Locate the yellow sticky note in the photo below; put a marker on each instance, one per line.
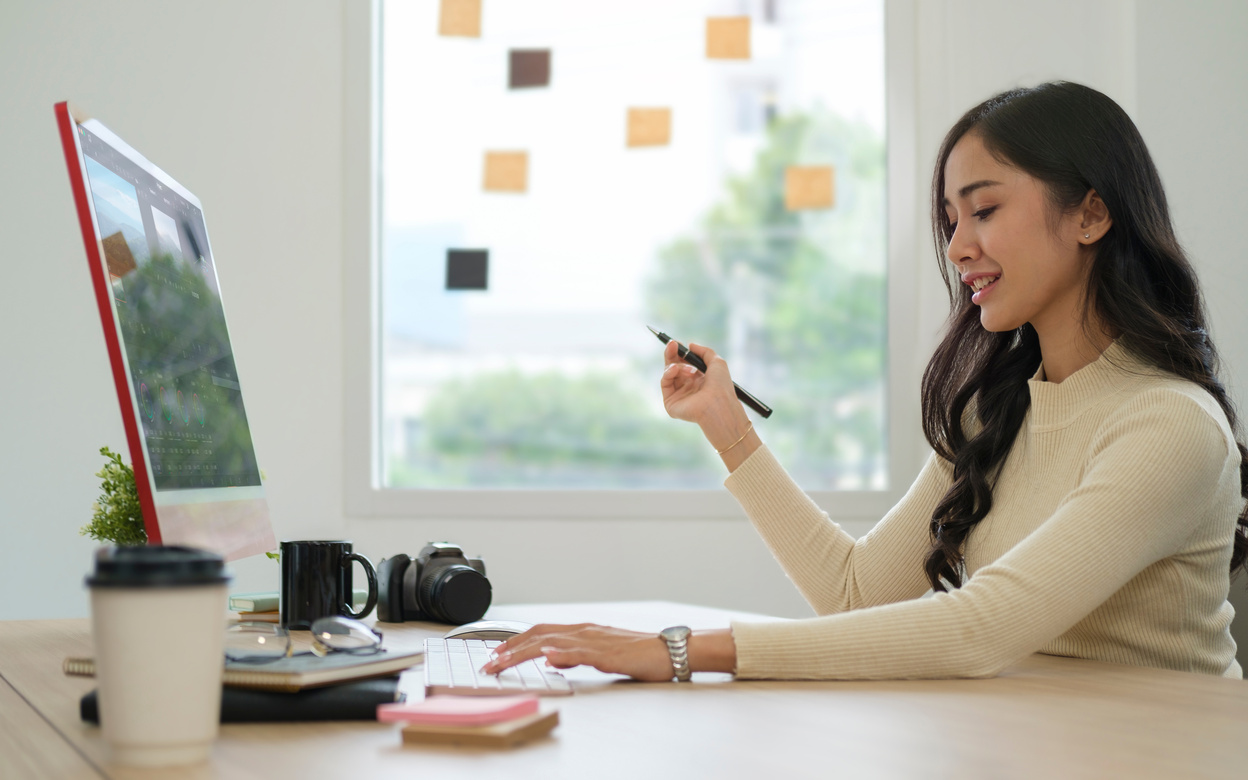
(460, 18)
(649, 126)
(808, 187)
(728, 38)
(506, 171)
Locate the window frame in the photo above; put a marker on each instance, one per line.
(362, 457)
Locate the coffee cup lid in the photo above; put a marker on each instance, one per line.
(148, 566)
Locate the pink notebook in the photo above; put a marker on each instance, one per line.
(459, 710)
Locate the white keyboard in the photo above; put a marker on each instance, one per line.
(454, 666)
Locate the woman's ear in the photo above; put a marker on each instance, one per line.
(1094, 219)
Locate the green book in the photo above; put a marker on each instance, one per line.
(267, 600)
(263, 601)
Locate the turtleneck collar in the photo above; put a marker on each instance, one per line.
(1056, 405)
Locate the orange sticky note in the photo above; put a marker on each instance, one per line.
(808, 187)
(506, 171)
(649, 126)
(460, 18)
(728, 38)
(118, 255)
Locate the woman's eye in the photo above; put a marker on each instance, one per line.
(984, 213)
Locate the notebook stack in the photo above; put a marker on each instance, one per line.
(300, 687)
(474, 721)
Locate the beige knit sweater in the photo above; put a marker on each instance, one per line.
(1109, 538)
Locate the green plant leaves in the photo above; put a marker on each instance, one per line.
(117, 517)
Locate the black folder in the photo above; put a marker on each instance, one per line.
(348, 701)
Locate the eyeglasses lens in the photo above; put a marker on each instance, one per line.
(256, 642)
(343, 635)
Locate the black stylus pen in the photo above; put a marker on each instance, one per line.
(697, 363)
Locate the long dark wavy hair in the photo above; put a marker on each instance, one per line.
(1140, 288)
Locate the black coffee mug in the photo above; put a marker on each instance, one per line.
(316, 582)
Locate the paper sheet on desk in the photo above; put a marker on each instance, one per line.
(587, 678)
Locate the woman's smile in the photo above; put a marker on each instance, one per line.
(981, 285)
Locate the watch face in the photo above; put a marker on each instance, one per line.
(675, 633)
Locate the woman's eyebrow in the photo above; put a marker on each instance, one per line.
(975, 185)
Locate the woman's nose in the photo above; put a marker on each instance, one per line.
(962, 248)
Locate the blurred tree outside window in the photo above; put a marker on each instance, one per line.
(548, 378)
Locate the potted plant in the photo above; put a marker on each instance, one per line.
(116, 516)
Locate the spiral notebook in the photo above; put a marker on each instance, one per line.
(292, 674)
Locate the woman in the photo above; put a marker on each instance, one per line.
(1085, 496)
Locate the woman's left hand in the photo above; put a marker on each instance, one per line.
(635, 653)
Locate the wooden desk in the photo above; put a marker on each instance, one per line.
(1045, 717)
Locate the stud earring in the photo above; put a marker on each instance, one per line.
(1087, 235)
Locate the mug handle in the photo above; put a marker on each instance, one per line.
(371, 573)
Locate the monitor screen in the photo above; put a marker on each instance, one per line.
(164, 321)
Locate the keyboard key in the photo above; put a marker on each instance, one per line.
(452, 667)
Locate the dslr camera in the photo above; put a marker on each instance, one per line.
(440, 584)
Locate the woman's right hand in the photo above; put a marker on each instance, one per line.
(690, 395)
(710, 400)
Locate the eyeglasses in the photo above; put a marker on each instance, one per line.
(264, 642)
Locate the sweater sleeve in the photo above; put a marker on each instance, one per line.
(833, 572)
(1153, 470)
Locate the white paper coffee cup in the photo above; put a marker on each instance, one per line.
(158, 620)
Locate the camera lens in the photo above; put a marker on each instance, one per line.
(455, 594)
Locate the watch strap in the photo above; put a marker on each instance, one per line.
(677, 639)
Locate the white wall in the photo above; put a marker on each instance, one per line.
(1192, 72)
(243, 103)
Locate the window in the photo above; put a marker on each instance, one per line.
(741, 203)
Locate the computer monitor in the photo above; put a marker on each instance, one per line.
(164, 325)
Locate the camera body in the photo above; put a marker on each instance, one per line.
(440, 584)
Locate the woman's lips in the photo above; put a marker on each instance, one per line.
(978, 297)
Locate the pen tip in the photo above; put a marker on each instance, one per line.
(652, 330)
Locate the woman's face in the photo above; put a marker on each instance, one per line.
(1005, 246)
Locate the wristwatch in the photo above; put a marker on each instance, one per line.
(677, 639)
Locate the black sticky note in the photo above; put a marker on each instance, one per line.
(467, 269)
(529, 68)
